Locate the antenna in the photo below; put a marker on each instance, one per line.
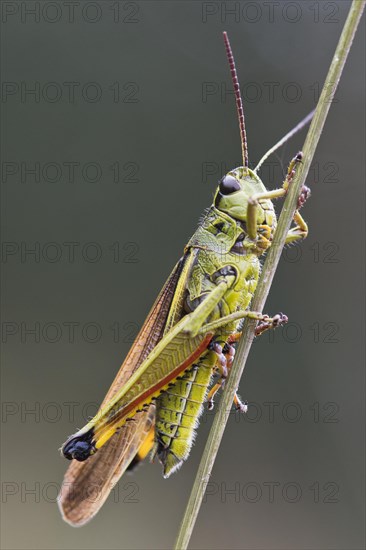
(238, 100)
(285, 138)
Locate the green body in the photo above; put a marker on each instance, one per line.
(212, 247)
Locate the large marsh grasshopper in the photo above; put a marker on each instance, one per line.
(158, 394)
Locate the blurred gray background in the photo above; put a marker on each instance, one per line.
(129, 127)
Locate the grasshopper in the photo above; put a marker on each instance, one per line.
(189, 335)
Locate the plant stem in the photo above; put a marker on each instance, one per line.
(270, 266)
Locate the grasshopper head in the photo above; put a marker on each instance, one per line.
(234, 191)
(240, 185)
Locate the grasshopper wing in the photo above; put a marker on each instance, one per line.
(86, 485)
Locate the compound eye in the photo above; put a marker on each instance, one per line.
(229, 185)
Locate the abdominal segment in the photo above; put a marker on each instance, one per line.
(177, 413)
